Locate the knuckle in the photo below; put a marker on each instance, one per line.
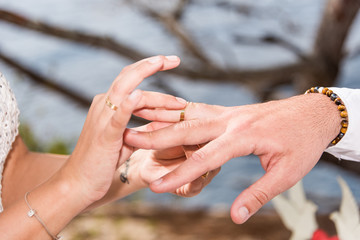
(199, 157)
(261, 197)
(98, 98)
(117, 87)
(184, 125)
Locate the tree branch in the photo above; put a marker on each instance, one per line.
(354, 54)
(51, 84)
(176, 29)
(333, 31)
(274, 40)
(72, 35)
(46, 82)
(179, 11)
(320, 68)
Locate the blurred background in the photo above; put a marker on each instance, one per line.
(58, 54)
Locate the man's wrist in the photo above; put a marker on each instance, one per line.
(325, 114)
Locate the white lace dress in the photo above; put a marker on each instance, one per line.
(9, 123)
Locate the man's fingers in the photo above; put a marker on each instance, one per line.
(261, 192)
(160, 115)
(191, 112)
(152, 126)
(210, 157)
(181, 133)
(152, 100)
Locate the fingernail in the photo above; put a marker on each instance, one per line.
(135, 94)
(154, 59)
(181, 100)
(172, 58)
(157, 182)
(243, 214)
(133, 131)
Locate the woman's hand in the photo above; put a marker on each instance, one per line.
(99, 151)
(150, 165)
(289, 137)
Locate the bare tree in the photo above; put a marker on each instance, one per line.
(319, 67)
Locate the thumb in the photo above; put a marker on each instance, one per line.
(258, 194)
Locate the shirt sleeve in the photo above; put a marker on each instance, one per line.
(349, 146)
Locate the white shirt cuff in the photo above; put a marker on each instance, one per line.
(349, 146)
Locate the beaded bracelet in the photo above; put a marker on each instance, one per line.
(340, 105)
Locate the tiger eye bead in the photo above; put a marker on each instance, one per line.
(329, 92)
(341, 107)
(341, 135)
(344, 123)
(343, 114)
(333, 96)
(335, 141)
(343, 130)
(337, 101)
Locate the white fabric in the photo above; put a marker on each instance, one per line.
(9, 123)
(349, 146)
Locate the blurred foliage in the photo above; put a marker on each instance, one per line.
(57, 146)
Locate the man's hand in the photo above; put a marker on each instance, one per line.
(289, 137)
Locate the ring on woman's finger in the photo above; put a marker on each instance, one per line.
(205, 175)
(110, 104)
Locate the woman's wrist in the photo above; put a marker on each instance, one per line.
(133, 169)
(70, 190)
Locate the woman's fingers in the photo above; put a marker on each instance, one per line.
(132, 75)
(196, 186)
(170, 154)
(115, 128)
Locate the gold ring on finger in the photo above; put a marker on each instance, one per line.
(110, 104)
(182, 115)
(205, 175)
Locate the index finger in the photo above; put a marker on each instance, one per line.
(182, 133)
(131, 76)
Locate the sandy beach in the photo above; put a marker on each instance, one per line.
(136, 221)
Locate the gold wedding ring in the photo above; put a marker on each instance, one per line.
(110, 105)
(205, 175)
(182, 115)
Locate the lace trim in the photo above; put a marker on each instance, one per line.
(9, 124)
